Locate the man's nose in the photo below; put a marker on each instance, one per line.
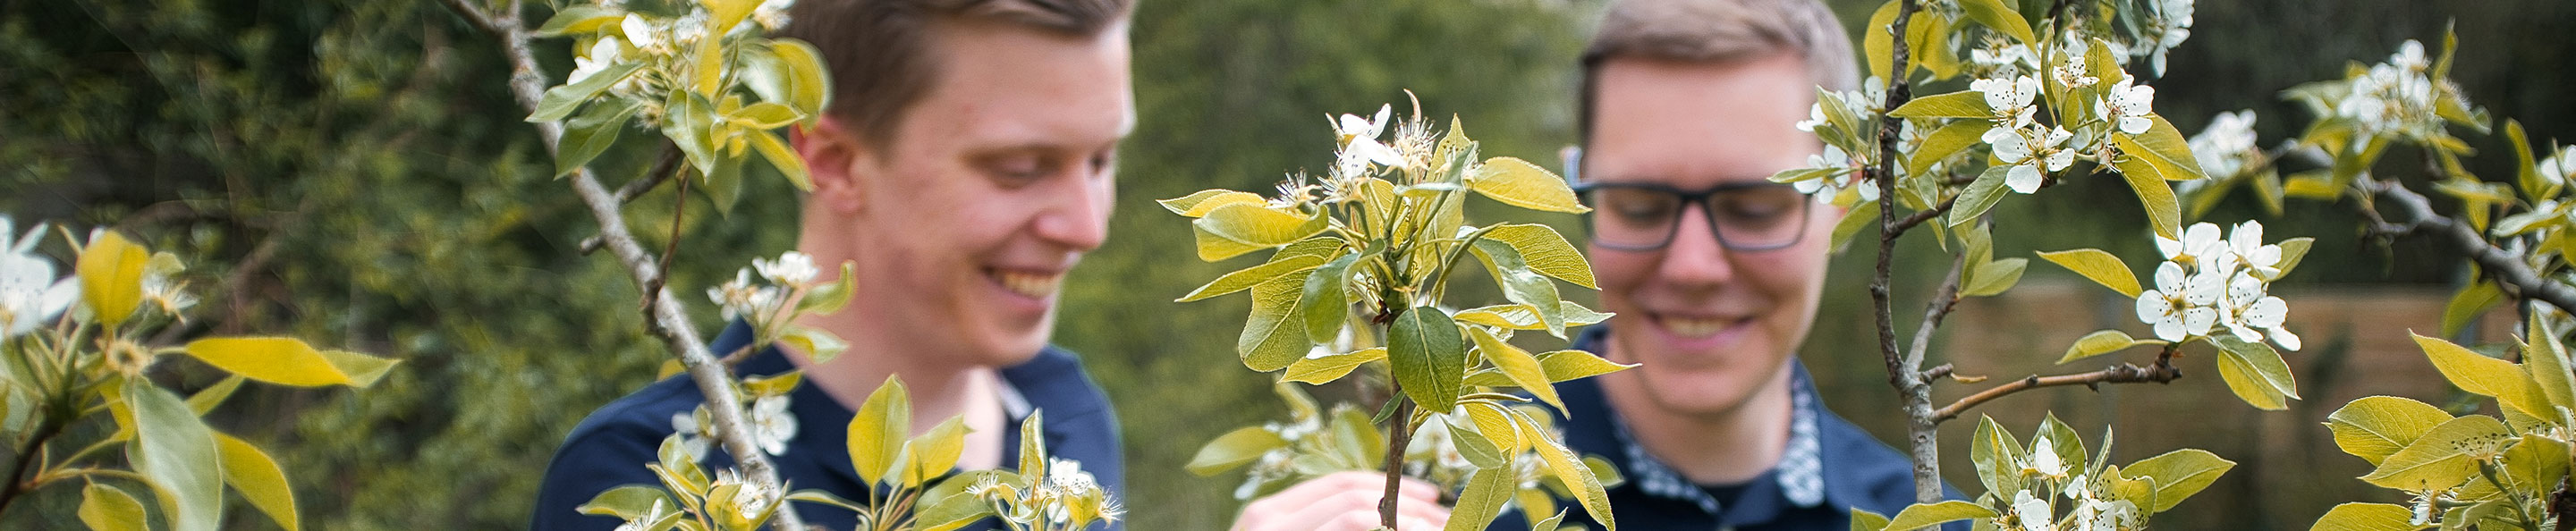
(1695, 256)
(1077, 215)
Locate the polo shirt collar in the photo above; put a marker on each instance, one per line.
(1798, 481)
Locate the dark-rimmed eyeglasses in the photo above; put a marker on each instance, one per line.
(1745, 216)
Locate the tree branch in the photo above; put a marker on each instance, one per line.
(2500, 265)
(1904, 374)
(666, 318)
(661, 173)
(2163, 371)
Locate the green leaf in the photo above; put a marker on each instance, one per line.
(2474, 299)
(2103, 342)
(590, 134)
(1520, 284)
(2487, 376)
(1546, 252)
(1033, 445)
(2098, 266)
(205, 400)
(1479, 450)
(1198, 204)
(876, 433)
(1862, 216)
(1878, 43)
(1562, 465)
(176, 453)
(1275, 334)
(2163, 210)
(1863, 520)
(1995, 452)
(1487, 492)
(2546, 361)
(828, 299)
(1523, 369)
(2526, 171)
(1995, 277)
(1319, 371)
(946, 508)
(782, 157)
(2062, 440)
(2255, 372)
(2438, 458)
(363, 370)
(2357, 516)
(804, 69)
(2294, 250)
(104, 507)
(1947, 141)
(276, 360)
(1326, 303)
(1428, 357)
(1246, 278)
(111, 276)
(763, 115)
(1567, 365)
(2164, 147)
(935, 452)
(1518, 183)
(1994, 14)
(1258, 225)
(1980, 196)
(2535, 464)
(2179, 474)
(1922, 515)
(1961, 104)
(1495, 424)
(579, 19)
(1234, 449)
(626, 502)
(560, 101)
(257, 477)
(687, 120)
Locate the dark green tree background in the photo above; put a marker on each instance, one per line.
(353, 172)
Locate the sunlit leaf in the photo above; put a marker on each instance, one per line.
(1519, 183)
(2255, 373)
(2487, 376)
(104, 507)
(2098, 266)
(560, 101)
(177, 454)
(2179, 474)
(2103, 342)
(1234, 449)
(1961, 104)
(282, 361)
(1275, 334)
(1321, 370)
(1924, 515)
(111, 276)
(2438, 458)
(876, 433)
(257, 477)
(2357, 516)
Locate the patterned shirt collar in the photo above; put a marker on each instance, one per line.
(1799, 475)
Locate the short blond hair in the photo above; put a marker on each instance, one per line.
(1719, 31)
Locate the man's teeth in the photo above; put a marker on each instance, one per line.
(1693, 327)
(1030, 284)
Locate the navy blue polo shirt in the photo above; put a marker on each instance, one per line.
(1829, 468)
(611, 447)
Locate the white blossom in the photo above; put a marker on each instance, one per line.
(1358, 137)
(2128, 106)
(2198, 243)
(772, 425)
(2071, 72)
(772, 14)
(602, 54)
(2010, 99)
(2044, 461)
(790, 269)
(2032, 513)
(2246, 244)
(2252, 313)
(642, 33)
(645, 521)
(30, 296)
(2223, 147)
(693, 435)
(2166, 31)
(753, 498)
(2179, 307)
(742, 299)
(1829, 188)
(2027, 150)
(2556, 169)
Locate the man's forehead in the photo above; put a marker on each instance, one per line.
(1721, 121)
(1007, 86)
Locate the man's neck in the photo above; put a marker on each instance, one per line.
(1726, 447)
(939, 389)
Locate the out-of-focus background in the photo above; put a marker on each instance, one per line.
(354, 172)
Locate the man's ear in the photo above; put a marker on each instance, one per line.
(834, 155)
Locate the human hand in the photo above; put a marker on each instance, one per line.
(1344, 501)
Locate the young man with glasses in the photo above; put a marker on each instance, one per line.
(1688, 107)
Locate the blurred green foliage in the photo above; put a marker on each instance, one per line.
(355, 172)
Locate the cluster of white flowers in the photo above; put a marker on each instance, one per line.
(1845, 186)
(2555, 169)
(772, 427)
(2092, 513)
(2000, 57)
(2224, 146)
(2207, 282)
(2126, 106)
(2164, 31)
(2018, 138)
(759, 302)
(1847, 176)
(1069, 491)
(2037, 512)
(30, 296)
(2394, 96)
(2071, 71)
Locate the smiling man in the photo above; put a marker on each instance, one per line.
(963, 168)
(1689, 107)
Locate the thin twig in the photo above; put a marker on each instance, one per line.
(662, 172)
(669, 320)
(1943, 300)
(2122, 373)
(1400, 428)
